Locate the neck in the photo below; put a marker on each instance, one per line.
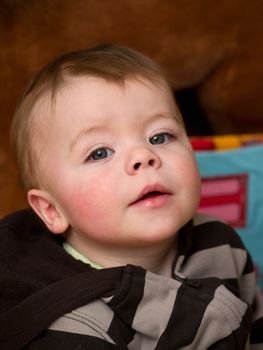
(157, 258)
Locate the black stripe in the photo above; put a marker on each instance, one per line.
(121, 333)
(125, 303)
(36, 313)
(189, 301)
(55, 340)
(249, 265)
(213, 234)
(256, 332)
(232, 284)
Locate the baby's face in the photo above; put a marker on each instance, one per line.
(118, 163)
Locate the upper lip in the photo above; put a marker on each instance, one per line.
(151, 188)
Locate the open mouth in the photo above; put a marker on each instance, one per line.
(152, 196)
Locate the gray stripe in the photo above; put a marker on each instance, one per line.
(154, 311)
(92, 319)
(222, 262)
(201, 218)
(247, 287)
(222, 317)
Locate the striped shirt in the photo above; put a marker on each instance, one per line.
(52, 301)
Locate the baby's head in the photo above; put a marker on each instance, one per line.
(112, 63)
(103, 152)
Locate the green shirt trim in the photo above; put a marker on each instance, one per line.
(78, 256)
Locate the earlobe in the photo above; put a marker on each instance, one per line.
(43, 205)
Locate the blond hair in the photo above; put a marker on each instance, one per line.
(110, 62)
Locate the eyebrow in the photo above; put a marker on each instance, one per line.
(161, 116)
(84, 133)
(101, 128)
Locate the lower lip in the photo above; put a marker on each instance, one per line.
(153, 202)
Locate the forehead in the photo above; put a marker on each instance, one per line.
(95, 98)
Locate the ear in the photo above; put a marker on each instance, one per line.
(45, 207)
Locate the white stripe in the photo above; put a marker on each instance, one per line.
(222, 317)
(92, 319)
(154, 311)
(221, 262)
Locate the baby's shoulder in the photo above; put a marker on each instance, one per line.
(210, 232)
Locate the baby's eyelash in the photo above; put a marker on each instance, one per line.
(162, 138)
(99, 154)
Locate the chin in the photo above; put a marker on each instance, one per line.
(157, 236)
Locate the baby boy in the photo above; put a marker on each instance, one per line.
(110, 172)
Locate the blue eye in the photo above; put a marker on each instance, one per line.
(100, 153)
(158, 139)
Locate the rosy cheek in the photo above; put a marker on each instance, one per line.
(92, 202)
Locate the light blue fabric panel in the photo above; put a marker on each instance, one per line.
(247, 160)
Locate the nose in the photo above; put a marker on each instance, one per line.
(142, 158)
